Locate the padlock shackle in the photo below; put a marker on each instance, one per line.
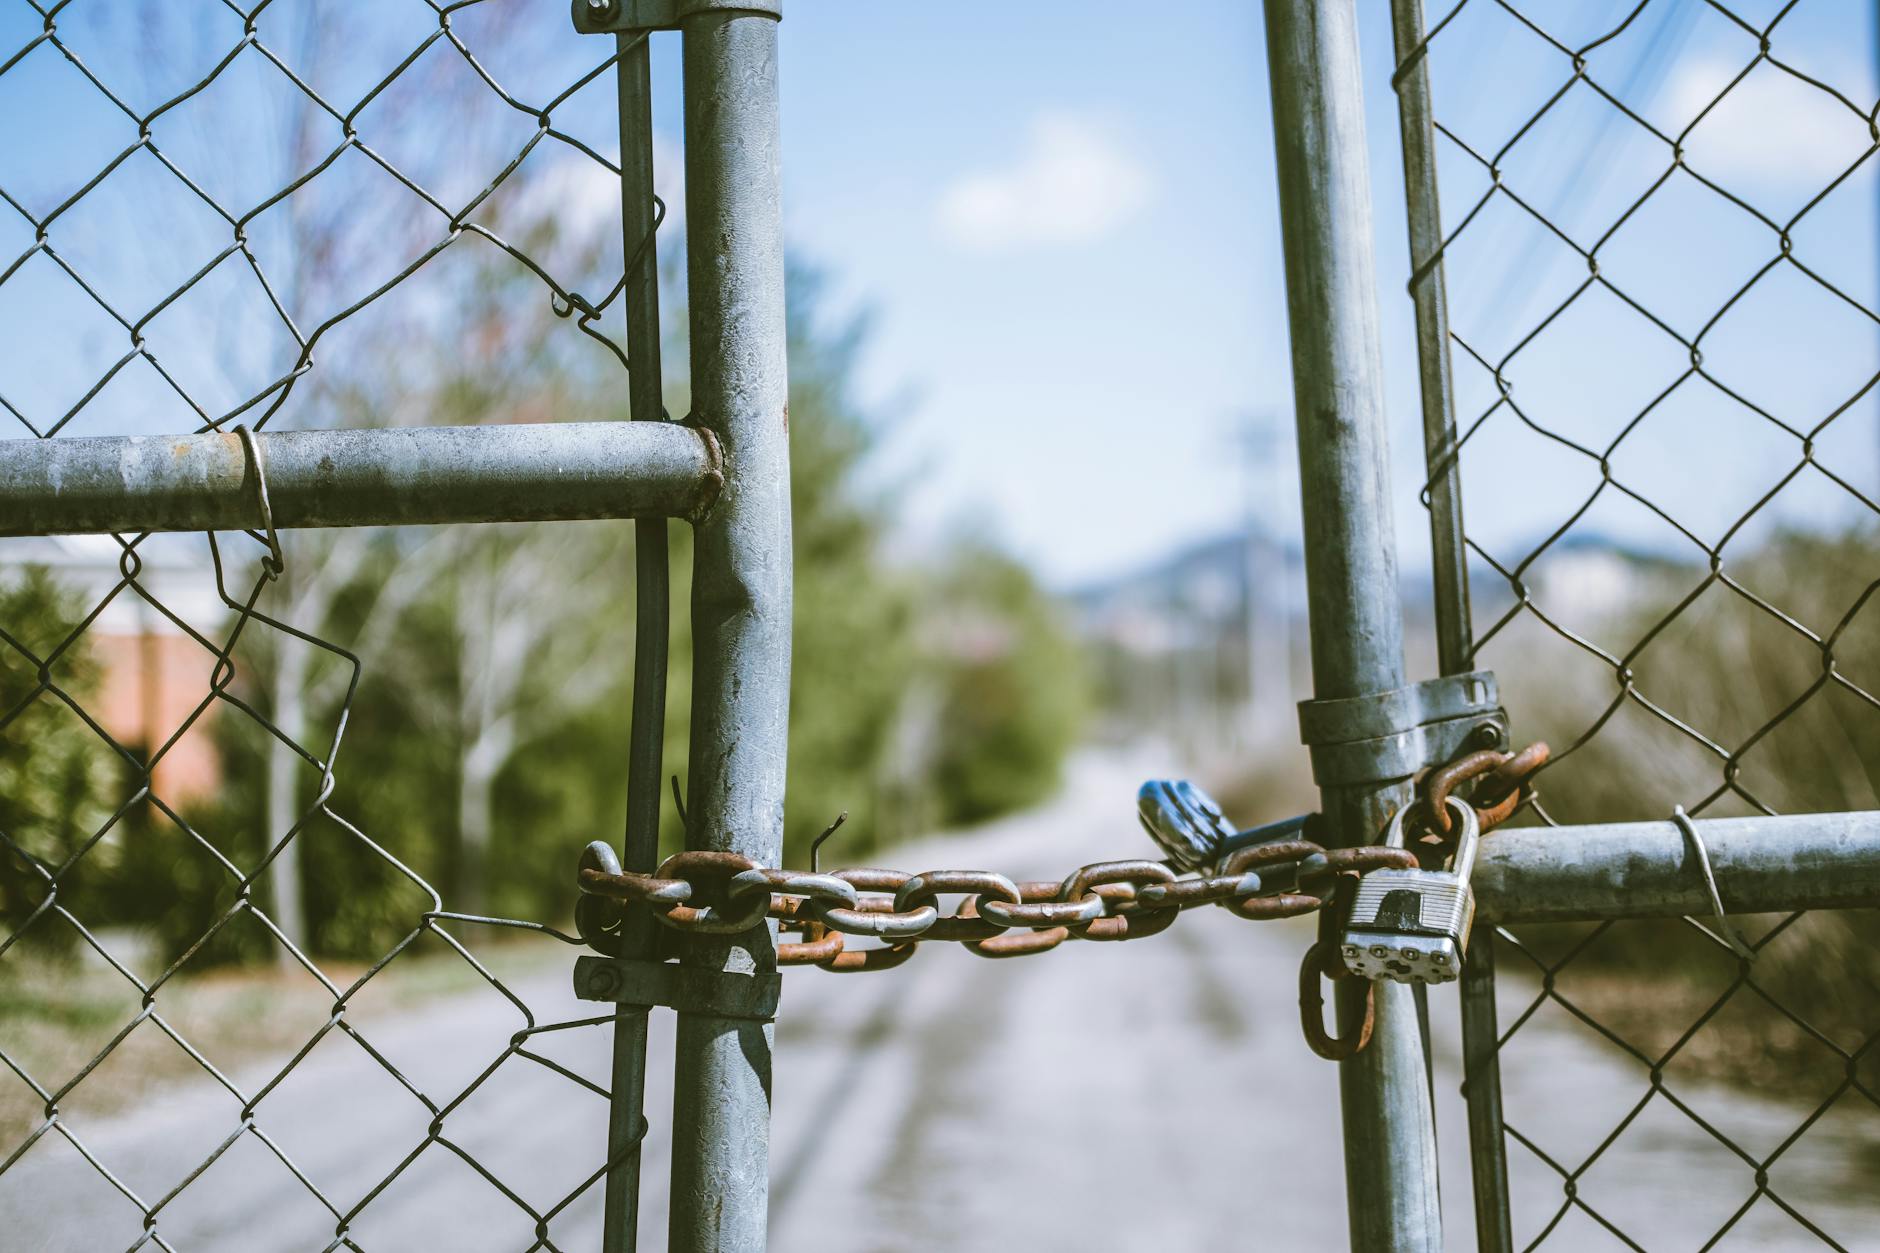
(1468, 834)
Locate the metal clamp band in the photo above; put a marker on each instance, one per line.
(687, 989)
(1394, 734)
(602, 17)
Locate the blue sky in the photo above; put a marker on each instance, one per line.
(1076, 383)
(1062, 219)
(1072, 347)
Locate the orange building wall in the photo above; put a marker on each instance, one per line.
(151, 683)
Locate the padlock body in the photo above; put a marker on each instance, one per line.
(1408, 925)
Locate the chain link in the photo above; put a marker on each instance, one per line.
(998, 917)
(718, 893)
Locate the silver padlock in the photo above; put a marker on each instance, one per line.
(1413, 925)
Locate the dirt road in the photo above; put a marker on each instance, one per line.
(1103, 1096)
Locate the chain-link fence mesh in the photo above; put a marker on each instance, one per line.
(298, 214)
(1658, 238)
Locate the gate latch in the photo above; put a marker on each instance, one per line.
(688, 989)
(1394, 734)
(600, 17)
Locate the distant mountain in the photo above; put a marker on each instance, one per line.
(1210, 642)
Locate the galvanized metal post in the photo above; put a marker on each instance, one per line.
(741, 582)
(1669, 869)
(385, 476)
(1351, 567)
(1455, 644)
(651, 633)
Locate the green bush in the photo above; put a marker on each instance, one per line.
(1013, 686)
(58, 779)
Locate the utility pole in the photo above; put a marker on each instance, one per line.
(1268, 608)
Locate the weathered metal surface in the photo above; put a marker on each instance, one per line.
(688, 989)
(1359, 1019)
(599, 17)
(1449, 565)
(1351, 567)
(652, 613)
(1430, 294)
(1649, 869)
(1394, 734)
(741, 590)
(1481, 1088)
(534, 472)
(1388, 713)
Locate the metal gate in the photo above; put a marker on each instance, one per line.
(1676, 104)
(1372, 732)
(724, 468)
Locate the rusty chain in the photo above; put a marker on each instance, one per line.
(726, 893)
(715, 893)
(1502, 785)
(996, 917)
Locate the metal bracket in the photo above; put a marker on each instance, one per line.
(603, 17)
(688, 989)
(1392, 735)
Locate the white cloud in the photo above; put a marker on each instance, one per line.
(1772, 128)
(1072, 184)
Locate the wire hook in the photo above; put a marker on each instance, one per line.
(274, 563)
(815, 847)
(1731, 935)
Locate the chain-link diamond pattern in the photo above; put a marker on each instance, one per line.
(218, 214)
(1657, 241)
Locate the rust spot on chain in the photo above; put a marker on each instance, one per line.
(819, 945)
(858, 959)
(1368, 857)
(1512, 778)
(722, 893)
(1312, 1009)
(1020, 943)
(710, 873)
(1116, 924)
(1265, 908)
(1501, 785)
(1440, 782)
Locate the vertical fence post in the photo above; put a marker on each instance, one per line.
(651, 634)
(1351, 566)
(740, 601)
(1455, 645)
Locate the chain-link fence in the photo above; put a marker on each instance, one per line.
(1658, 409)
(295, 216)
(1658, 350)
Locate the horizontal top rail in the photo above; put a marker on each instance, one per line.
(1652, 870)
(536, 472)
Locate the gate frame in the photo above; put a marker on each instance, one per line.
(727, 471)
(1355, 615)
(1577, 873)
